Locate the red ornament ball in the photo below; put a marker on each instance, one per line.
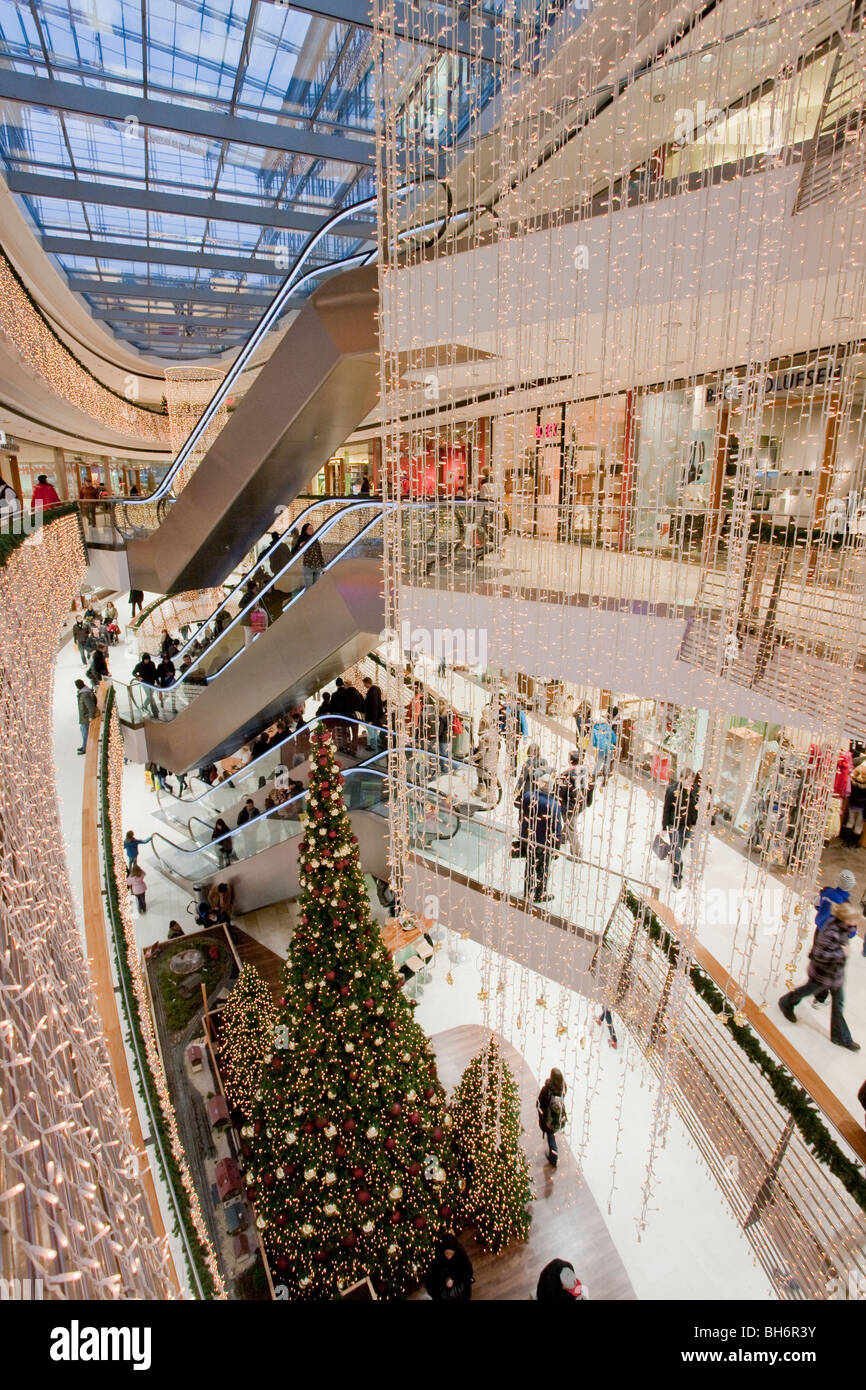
(282, 1219)
(339, 1151)
(437, 1134)
(445, 1212)
(282, 1263)
(332, 834)
(390, 1143)
(396, 1109)
(321, 1121)
(363, 1198)
(429, 1092)
(349, 1125)
(420, 1222)
(309, 1127)
(349, 1239)
(353, 1075)
(357, 1173)
(331, 975)
(368, 1003)
(395, 1218)
(414, 1169)
(414, 1118)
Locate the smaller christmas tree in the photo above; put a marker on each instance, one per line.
(486, 1128)
(247, 1038)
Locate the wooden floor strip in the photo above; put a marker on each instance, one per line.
(826, 1100)
(99, 958)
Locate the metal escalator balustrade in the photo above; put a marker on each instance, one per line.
(139, 702)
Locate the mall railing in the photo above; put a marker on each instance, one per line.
(220, 639)
(797, 1190)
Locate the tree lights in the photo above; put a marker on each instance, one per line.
(247, 1037)
(347, 1152)
(485, 1114)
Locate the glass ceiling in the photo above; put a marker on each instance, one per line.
(126, 132)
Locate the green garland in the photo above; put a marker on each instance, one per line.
(789, 1094)
(10, 543)
(146, 1088)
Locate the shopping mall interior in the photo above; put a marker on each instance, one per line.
(432, 590)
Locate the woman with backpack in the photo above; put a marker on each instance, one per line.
(551, 1111)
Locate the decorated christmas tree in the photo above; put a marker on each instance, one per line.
(347, 1158)
(486, 1129)
(247, 1036)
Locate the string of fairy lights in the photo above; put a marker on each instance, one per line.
(652, 358)
(51, 359)
(139, 986)
(73, 1208)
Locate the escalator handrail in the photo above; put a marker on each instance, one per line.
(290, 285)
(241, 584)
(341, 553)
(243, 772)
(366, 766)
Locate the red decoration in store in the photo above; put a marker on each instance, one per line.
(357, 1173)
(395, 1218)
(363, 1198)
(390, 1143)
(396, 1109)
(420, 1222)
(429, 1093)
(349, 1239)
(414, 1118)
(437, 1135)
(282, 1263)
(414, 1169)
(445, 1212)
(349, 1125)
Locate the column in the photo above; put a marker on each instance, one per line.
(61, 482)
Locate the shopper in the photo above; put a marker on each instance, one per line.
(558, 1283)
(10, 505)
(855, 817)
(826, 970)
(136, 884)
(541, 834)
(279, 554)
(165, 678)
(45, 495)
(552, 1114)
(679, 817)
(534, 770)
(131, 846)
(80, 634)
(450, 1275)
(827, 899)
(374, 713)
(487, 754)
(145, 671)
(583, 724)
(86, 711)
(221, 839)
(312, 560)
(606, 1017)
(98, 671)
(576, 790)
(444, 735)
(258, 623)
(603, 740)
(136, 601)
(221, 899)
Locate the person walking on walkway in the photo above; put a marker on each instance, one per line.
(136, 601)
(86, 711)
(558, 1283)
(541, 834)
(80, 634)
(576, 790)
(826, 970)
(98, 671)
(603, 740)
(145, 672)
(551, 1112)
(827, 899)
(131, 846)
(606, 1017)
(45, 494)
(679, 817)
(222, 841)
(138, 887)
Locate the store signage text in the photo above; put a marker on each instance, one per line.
(794, 380)
(550, 431)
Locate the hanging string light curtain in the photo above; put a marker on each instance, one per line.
(73, 1208)
(609, 324)
(24, 326)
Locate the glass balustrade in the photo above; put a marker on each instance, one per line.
(354, 531)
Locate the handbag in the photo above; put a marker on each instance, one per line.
(661, 847)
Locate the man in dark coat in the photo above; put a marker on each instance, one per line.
(450, 1275)
(374, 713)
(541, 833)
(679, 816)
(279, 554)
(558, 1283)
(826, 970)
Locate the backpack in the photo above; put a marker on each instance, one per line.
(555, 1115)
(456, 725)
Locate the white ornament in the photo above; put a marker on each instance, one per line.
(309, 1174)
(350, 1047)
(291, 1137)
(330, 1131)
(368, 1226)
(330, 1177)
(261, 1222)
(306, 1229)
(372, 1132)
(330, 1209)
(395, 1194)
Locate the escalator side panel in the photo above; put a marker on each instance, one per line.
(334, 625)
(316, 388)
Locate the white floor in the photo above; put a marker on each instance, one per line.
(691, 1246)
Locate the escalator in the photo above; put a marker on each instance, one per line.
(315, 389)
(317, 630)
